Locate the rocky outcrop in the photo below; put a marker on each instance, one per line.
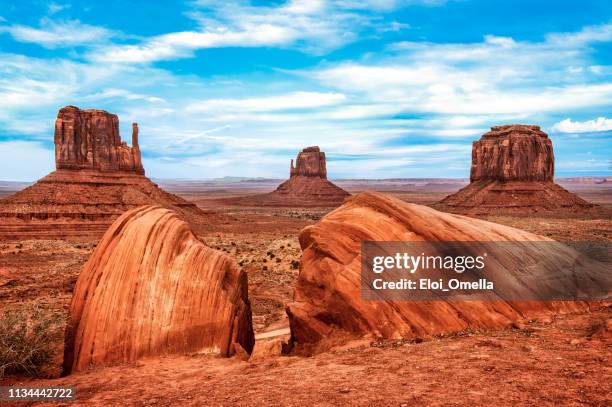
(513, 153)
(89, 139)
(97, 179)
(512, 172)
(307, 185)
(310, 162)
(328, 300)
(152, 288)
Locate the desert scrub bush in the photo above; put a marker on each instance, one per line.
(29, 336)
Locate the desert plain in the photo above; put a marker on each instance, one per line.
(560, 360)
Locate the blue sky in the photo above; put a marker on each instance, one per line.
(388, 88)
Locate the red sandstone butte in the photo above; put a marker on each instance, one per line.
(89, 139)
(328, 304)
(512, 172)
(310, 162)
(98, 178)
(152, 288)
(307, 186)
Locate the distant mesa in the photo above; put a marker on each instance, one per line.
(307, 185)
(98, 177)
(151, 288)
(310, 162)
(328, 303)
(512, 172)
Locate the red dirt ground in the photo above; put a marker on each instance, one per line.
(538, 364)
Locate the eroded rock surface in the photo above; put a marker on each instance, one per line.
(152, 288)
(328, 301)
(307, 186)
(89, 139)
(98, 178)
(512, 172)
(513, 153)
(310, 162)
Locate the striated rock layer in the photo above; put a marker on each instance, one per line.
(152, 288)
(513, 153)
(89, 139)
(97, 179)
(310, 162)
(512, 172)
(307, 186)
(328, 300)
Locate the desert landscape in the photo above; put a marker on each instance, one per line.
(282, 354)
(306, 203)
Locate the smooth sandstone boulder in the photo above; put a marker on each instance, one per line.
(328, 301)
(152, 288)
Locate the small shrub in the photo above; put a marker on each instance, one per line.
(28, 339)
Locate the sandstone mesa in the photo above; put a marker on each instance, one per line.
(512, 172)
(307, 185)
(97, 178)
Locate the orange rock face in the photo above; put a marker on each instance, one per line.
(513, 153)
(310, 162)
(152, 288)
(512, 172)
(98, 178)
(328, 299)
(89, 139)
(307, 186)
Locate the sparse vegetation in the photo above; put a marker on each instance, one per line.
(28, 339)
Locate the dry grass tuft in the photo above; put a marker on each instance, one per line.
(29, 335)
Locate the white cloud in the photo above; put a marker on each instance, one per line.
(291, 101)
(385, 4)
(55, 34)
(313, 26)
(54, 8)
(569, 126)
(182, 44)
(114, 92)
(496, 76)
(590, 34)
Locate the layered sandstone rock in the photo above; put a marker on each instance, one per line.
(89, 139)
(310, 162)
(307, 185)
(513, 153)
(512, 172)
(328, 299)
(98, 178)
(152, 288)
